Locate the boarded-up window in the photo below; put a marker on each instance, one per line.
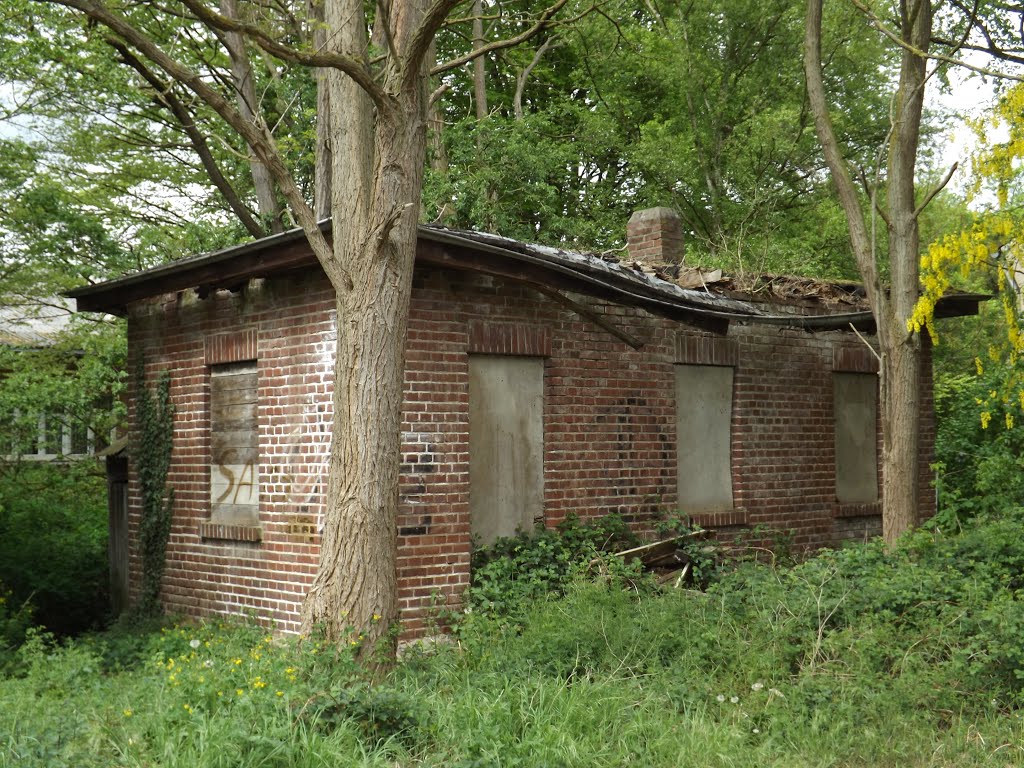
(506, 445)
(703, 429)
(856, 412)
(234, 474)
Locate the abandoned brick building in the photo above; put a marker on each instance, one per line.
(538, 383)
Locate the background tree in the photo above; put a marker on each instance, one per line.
(698, 105)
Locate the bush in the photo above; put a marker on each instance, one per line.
(15, 620)
(980, 468)
(53, 543)
(513, 572)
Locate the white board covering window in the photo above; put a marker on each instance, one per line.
(856, 415)
(704, 434)
(506, 445)
(234, 470)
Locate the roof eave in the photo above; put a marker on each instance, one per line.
(230, 268)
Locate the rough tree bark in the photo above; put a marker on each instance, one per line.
(479, 64)
(900, 349)
(377, 172)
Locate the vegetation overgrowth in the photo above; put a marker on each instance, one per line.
(53, 547)
(907, 657)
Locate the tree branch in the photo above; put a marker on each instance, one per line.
(351, 66)
(262, 143)
(542, 23)
(898, 40)
(423, 36)
(938, 188)
(859, 238)
(522, 77)
(164, 97)
(870, 192)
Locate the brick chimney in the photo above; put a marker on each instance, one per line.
(655, 236)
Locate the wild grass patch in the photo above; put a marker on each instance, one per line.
(909, 657)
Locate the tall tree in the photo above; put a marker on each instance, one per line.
(892, 305)
(377, 77)
(698, 105)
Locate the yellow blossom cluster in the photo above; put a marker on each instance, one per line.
(992, 244)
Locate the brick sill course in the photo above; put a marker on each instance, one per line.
(208, 530)
(871, 509)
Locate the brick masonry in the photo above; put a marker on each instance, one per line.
(609, 416)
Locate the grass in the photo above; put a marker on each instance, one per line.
(856, 658)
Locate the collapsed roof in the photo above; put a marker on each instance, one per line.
(708, 300)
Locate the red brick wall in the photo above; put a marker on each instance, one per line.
(609, 414)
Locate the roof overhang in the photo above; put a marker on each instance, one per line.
(548, 270)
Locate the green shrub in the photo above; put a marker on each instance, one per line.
(980, 469)
(15, 621)
(515, 571)
(53, 542)
(865, 656)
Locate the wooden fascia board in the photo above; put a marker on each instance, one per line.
(114, 297)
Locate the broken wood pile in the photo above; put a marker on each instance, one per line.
(668, 559)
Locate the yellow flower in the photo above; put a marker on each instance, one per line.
(187, 708)
(127, 712)
(376, 617)
(280, 693)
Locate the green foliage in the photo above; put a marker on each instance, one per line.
(851, 653)
(116, 156)
(155, 429)
(381, 712)
(15, 621)
(510, 574)
(866, 656)
(699, 106)
(197, 696)
(53, 542)
(74, 382)
(979, 462)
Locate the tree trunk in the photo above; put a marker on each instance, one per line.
(245, 96)
(479, 70)
(322, 160)
(377, 181)
(900, 348)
